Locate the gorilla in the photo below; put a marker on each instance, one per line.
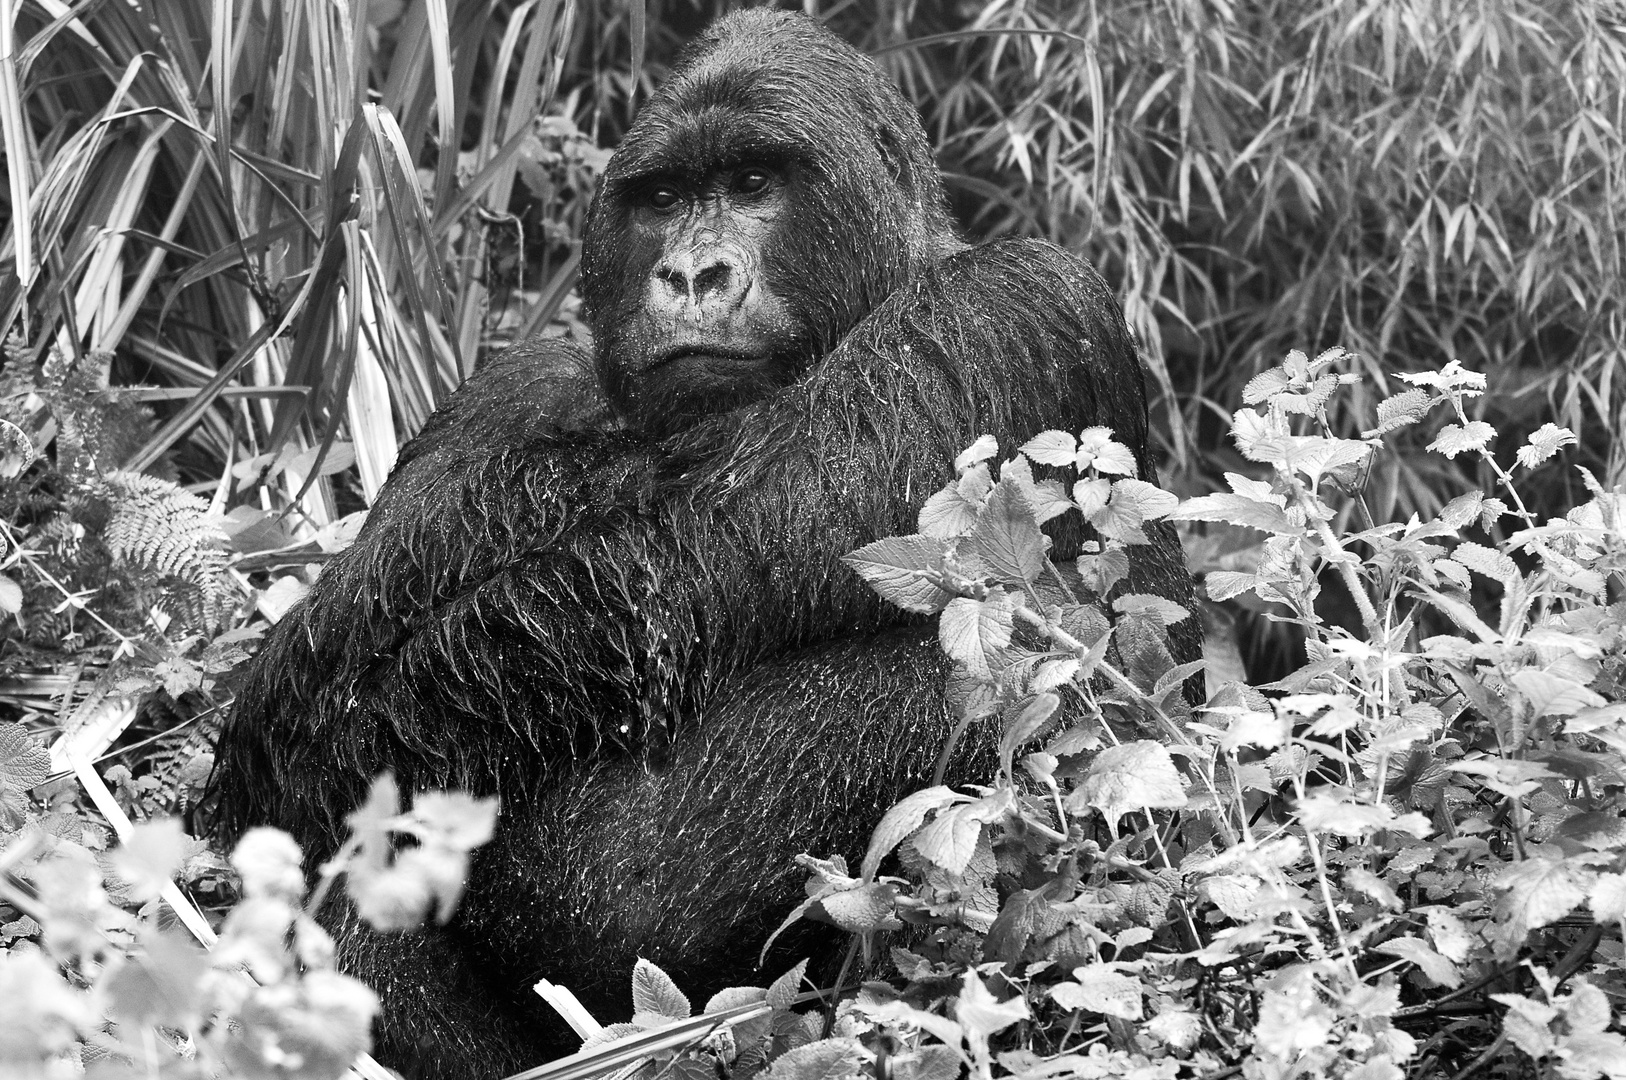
(607, 586)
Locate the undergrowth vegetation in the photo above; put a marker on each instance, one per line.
(1406, 858)
(249, 245)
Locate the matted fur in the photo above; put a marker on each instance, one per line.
(647, 645)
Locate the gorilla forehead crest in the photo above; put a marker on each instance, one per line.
(776, 86)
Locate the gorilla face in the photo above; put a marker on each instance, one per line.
(710, 327)
(773, 192)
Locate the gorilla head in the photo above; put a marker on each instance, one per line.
(740, 231)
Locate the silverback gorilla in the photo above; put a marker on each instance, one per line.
(608, 588)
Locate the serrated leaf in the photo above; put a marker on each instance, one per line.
(782, 993)
(862, 909)
(1128, 508)
(1091, 495)
(653, 991)
(1132, 777)
(1233, 894)
(1237, 510)
(1262, 386)
(951, 838)
(1316, 456)
(1405, 408)
(981, 1015)
(1047, 498)
(1587, 1009)
(950, 841)
(1536, 892)
(932, 1063)
(1033, 716)
(1113, 459)
(1555, 695)
(1451, 936)
(1309, 400)
(1165, 609)
(1544, 442)
(1589, 1054)
(984, 448)
(903, 819)
(1057, 448)
(1007, 535)
(733, 997)
(827, 1059)
(1260, 437)
(1606, 899)
(1179, 1028)
(892, 567)
(1052, 674)
(1454, 439)
(974, 632)
(1365, 881)
(1527, 1024)
(1435, 967)
(1489, 562)
(1225, 584)
(946, 515)
(1345, 817)
(1100, 989)
(1460, 512)
(1150, 501)
(23, 764)
(16, 450)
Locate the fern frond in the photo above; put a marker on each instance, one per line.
(160, 526)
(157, 526)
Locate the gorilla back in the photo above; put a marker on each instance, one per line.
(607, 588)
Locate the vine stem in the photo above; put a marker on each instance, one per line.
(1369, 614)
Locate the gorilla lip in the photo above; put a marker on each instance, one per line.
(704, 352)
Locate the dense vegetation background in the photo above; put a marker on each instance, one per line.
(250, 244)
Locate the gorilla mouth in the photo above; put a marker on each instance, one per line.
(705, 355)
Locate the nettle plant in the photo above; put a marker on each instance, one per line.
(93, 978)
(1405, 858)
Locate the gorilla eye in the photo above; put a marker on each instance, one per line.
(663, 196)
(752, 181)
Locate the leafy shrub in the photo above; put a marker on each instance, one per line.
(93, 978)
(1402, 859)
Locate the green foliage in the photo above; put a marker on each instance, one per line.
(1405, 858)
(249, 254)
(77, 528)
(1418, 179)
(92, 977)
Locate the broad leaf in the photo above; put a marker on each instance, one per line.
(1007, 534)
(1101, 989)
(1135, 776)
(1237, 510)
(892, 567)
(1536, 892)
(974, 632)
(901, 821)
(654, 992)
(1455, 439)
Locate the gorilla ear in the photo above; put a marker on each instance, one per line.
(896, 160)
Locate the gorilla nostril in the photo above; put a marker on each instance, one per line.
(674, 279)
(715, 278)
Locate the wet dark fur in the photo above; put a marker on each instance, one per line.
(647, 645)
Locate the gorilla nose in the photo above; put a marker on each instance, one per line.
(699, 286)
